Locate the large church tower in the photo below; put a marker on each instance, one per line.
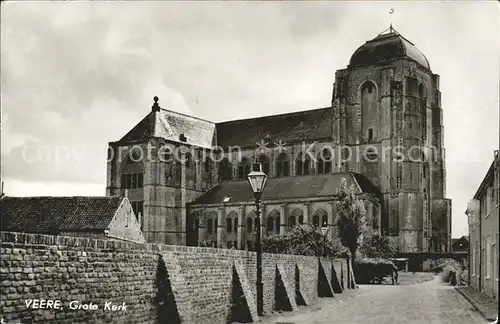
(387, 113)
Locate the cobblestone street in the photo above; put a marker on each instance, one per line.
(422, 303)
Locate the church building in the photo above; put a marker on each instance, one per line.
(382, 133)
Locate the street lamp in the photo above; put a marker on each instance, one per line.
(258, 180)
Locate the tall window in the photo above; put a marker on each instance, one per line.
(324, 164)
(229, 225)
(282, 165)
(487, 259)
(225, 170)
(138, 207)
(370, 134)
(264, 160)
(132, 174)
(208, 165)
(189, 161)
(249, 224)
(210, 226)
(270, 223)
(132, 180)
(473, 272)
(243, 169)
(316, 221)
(303, 164)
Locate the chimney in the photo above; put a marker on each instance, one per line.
(139, 218)
(126, 193)
(182, 138)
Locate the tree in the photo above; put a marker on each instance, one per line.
(304, 240)
(350, 217)
(377, 246)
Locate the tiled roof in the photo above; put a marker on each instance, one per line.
(57, 214)
(323, 185)
(171, 125)
(289, 128)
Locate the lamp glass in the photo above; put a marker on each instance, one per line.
(324, 230)
(257, 180)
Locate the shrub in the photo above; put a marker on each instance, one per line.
(351, 221)
(463, 278)
(304, 240)
(372, 270)
(377, 246)
(446, 268)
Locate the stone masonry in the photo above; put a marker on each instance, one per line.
(188, 284)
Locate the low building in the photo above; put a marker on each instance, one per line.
(460, 244)
(483, 214)
(225, 215)
(93, 217)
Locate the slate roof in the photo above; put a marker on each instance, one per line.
(323, 185)
(386, 47)
(170, 125)
(289, 128)
(57, 214)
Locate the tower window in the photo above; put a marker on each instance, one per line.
(370, 134)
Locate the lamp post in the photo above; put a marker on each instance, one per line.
(258, 180)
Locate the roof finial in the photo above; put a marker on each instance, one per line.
(155, 106)
(391, 30)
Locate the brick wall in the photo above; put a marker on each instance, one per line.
(194, 285)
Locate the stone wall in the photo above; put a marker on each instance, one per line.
(154, 282)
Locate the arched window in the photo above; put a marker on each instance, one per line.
(291, 221)
(270, 223)
(189, 161)
(282, 165)
(297, 214)
(210, 228)
(208, 165)
(243, 169)
(324, 221)
(249, 224)
(229, 225)
(316, 221)
(273, 221)
(324, 164)
(303, 164)
(216, 226)
(369, 99)
(423, 108)
(225, 170)
(236, 225)
(264, 160)
(132, 173)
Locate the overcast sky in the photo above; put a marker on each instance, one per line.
(77, 75)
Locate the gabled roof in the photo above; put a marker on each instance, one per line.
(57, 214)
(310, 186)
(171, 125)
(488, 178)
(464, 240)
(289, 128)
